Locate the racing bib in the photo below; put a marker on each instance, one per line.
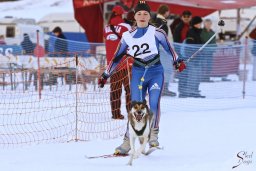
(141, 47)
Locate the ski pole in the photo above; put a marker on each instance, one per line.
(221, 23)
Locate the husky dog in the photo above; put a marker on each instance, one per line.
(140, 121)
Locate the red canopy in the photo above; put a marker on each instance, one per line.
(90, 13)
(210, 4)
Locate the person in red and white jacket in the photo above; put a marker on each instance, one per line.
(113, 33)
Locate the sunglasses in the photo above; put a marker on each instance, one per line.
(186, 16)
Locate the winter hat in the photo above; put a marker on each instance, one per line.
(142, 6)
(118, 10)
(196, 20)
(57, 30)
(186, 12)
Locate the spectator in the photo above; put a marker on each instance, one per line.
(206, 34)
(180, 34)
(27, 45)
(161, 22)
(252, 35)
(113, 33)
(61, 44)
(28, 49)
(194, 67)
(176, 21)
(2, 41)
(181, 30)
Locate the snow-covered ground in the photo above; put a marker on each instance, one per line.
(193, 141)
(212, 134)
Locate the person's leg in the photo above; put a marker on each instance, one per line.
(183, 83)
(192, 77)
(136, 93)
(204, 60)
(195, 78)
(155, 87)
(126, 83)
(125, 147)
(115, 95)
(209, 65)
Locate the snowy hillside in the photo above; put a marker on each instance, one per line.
(35, 8)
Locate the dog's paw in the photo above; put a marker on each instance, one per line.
(129, 163)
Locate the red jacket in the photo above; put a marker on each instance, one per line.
(113, 37)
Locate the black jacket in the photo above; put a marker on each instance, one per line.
(162, 23)
(194, 36)
(27, 45)
(177, 33)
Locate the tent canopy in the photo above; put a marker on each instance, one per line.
(210, 4)
(89, 13)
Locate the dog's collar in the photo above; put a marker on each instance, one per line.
(140, 132)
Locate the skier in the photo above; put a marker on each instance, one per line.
(142, 43)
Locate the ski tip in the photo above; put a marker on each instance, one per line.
(87, 157)
(160, 147)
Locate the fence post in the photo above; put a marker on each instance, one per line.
(76, 58)
(11, 77)
(245, 61)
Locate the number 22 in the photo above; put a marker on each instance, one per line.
(145, 48)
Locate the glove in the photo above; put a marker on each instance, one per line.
(179, 65)
(102, 80)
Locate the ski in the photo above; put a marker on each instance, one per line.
(106, 156)
(152, 149)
